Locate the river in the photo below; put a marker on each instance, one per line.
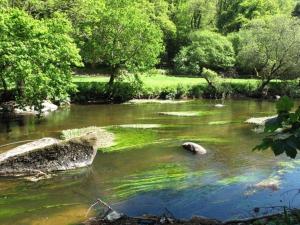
(158, 174)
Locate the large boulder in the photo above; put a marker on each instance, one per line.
(194, 148)
(49, 155)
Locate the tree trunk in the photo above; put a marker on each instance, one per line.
(112, 79)
(110, 88)
(114, 73)
(4, 84)
(260, 90)
(5, 95)
(20, 88)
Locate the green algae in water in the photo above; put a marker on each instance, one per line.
(189, 113)
(126, 138)
(222, 122)
(204, 140)
(168, 176)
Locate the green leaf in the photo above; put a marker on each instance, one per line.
(278, 147)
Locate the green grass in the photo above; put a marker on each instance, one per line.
(159, 86)
(163, 81)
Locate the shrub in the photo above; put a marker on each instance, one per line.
(207, 49)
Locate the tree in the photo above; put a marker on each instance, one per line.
(270, 48)
(233, 15)
(36, 57)
(207, 49)
(126, 38)
(85, 17)
(189, 16)
(283, 131)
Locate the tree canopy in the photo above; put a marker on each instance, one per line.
(126, 38)
(270, 48)
(36, 56)
(207, 49)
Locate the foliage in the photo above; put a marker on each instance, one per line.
(189, 16)
(269, 47)
(207, 49)
(285, 130)
(125, 38)
(233, 15)
(36, 57)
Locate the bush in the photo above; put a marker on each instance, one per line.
(207, 49)
(88, 92)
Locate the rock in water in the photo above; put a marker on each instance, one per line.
(260, 121)
(47, 107)
(49, 155)
(219, 105)
(194, 148)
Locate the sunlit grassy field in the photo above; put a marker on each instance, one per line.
(161, 81)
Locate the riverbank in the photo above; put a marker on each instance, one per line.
(285, 218)
(92, 89)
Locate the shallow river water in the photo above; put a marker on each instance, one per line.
(152, 176)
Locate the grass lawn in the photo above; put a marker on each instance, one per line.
(161, 81)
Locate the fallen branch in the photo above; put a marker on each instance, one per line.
(99, 201)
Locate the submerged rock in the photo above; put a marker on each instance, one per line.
(194, 148)
(260, 121)
(145, 101)
(48, 155)
(271, 183)
(219, 105)
(179, 113)
(140, 126)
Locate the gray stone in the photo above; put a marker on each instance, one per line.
(260, 121)
(113, 216)
(194, 148)
(12, 107)
(49, 155)
(47, 108)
